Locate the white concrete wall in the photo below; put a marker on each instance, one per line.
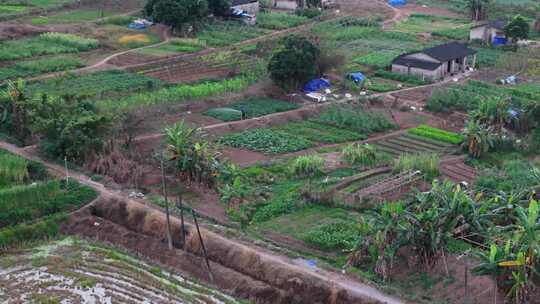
(424, 74)
(251, 8)
(285, 4)
(478, 33)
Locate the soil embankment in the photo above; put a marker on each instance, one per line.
(236, 268)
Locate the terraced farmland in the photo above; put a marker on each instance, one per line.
(75, 271)
(409, 143)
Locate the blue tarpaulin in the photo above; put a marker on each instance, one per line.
(316, 85)
(356, 77)
(397, 2)
(499, 41)
(137, 26)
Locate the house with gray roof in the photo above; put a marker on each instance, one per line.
(490, 33)
(436, 62)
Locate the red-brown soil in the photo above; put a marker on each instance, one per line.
(238, 269)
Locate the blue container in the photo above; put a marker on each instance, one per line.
(397, 2)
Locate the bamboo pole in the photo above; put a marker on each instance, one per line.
(168, 228)
(202, 245)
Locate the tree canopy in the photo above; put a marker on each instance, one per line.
(295, 63)
(176, 13)
(518, 28)
(219, 7)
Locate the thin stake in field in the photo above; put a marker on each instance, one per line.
(202, 245)
(180, 206)
(169, 238)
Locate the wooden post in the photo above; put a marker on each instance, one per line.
(182, 226)
(67, 172)
(168, 228)
(202, 245)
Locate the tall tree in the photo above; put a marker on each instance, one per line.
(219, 7)
(176, 13)
(294, 63)
(517, 29)
(478, 9)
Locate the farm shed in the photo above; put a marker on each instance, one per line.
(491, 32)
(436, 62)
(285, 4)
(249, 6)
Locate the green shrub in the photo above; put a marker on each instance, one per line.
(437, 134)
(307, 166)
(364, 155)
(382, 87)
(285, 199)
(513, 176)
(410, 79)
(355, 119)
(266, 141)
(452, 99)
(427, 163)
(333, 236)
(307, 12)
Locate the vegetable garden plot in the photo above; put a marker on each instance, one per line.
(253, 107)
(98, 83)
(404, 144)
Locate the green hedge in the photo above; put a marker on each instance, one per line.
(437, 134)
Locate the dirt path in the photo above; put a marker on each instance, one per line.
(237, 125)
(352, 286)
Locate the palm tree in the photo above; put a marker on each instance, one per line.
(478, 138)
(195, 159)
(494, 111)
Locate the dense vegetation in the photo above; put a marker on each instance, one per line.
(31, 205)
(437, 134)
(39, 66)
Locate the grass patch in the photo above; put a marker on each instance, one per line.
(45, 44)
(219, 34)
(279, 21)
(74, 16)
(253, 107)
(378, 59)
(427, 163)
(30, 68)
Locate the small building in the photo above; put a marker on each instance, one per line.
(436, 62)
(285, 4)
(251, 7)
(491, 33)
